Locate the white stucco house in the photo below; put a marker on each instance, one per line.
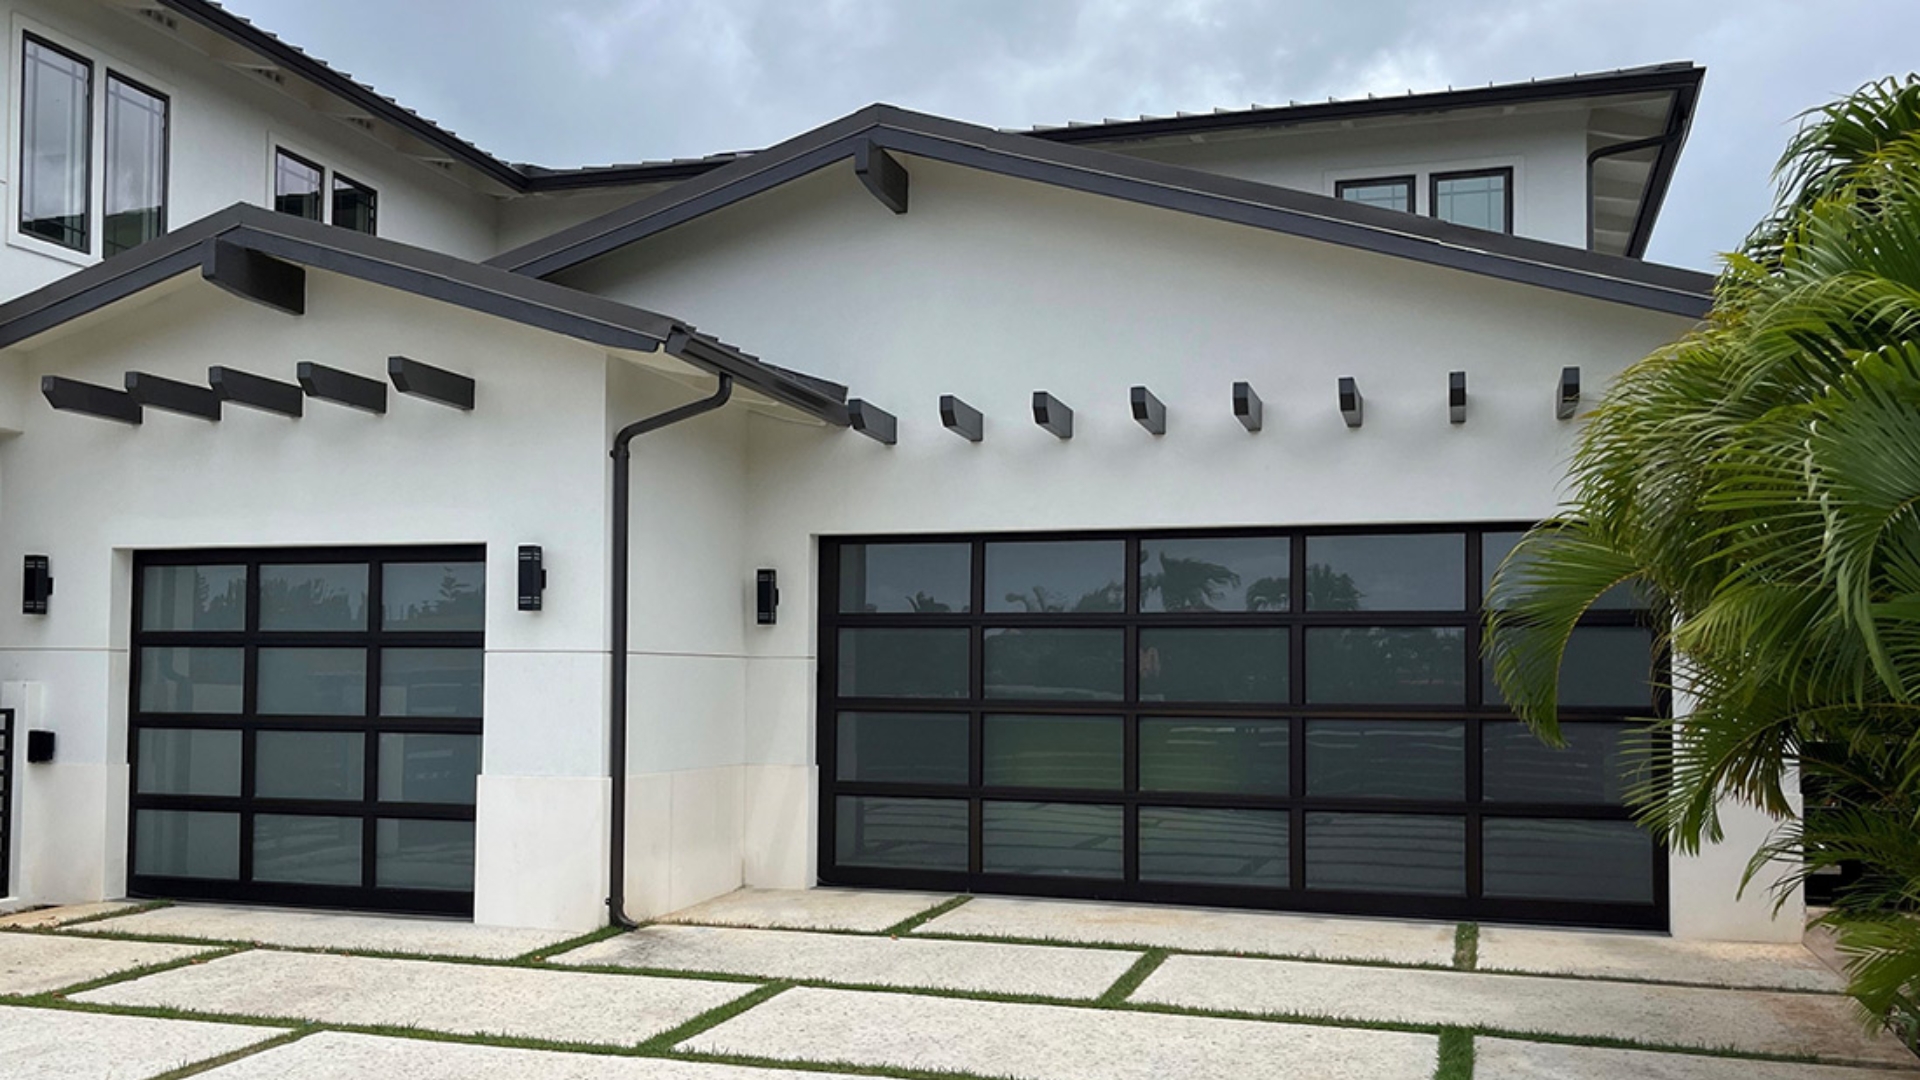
(1098, 511)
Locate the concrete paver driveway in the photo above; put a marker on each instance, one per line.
(890, 984)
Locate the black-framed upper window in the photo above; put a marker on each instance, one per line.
(1386, 192)
(297, 186)
(136, 161)
(56, 137)
(1480, 199)
(355, 205)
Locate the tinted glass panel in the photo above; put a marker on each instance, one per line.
(1226, 574)
(1387, 759)
(296, 186)
(1051, 839)
(902, 748)
(904, 663)
(193, 598)
(1478, 201)
(1213, 665)
(435, 855)
(306, 850)
(189, 762)
(930, 579)
(1050, 664)
(1216, 847)
(1608, 665)
(433, 596)
(1056, 575)
(1387, 573)
(191, 680)
(1598, 765)
(56, 115)
(354, 205)
(136, 191)
(313, 682)
(903, 834)
(431, 682)
(317, 597)
(1606, 861)
(1387, 853)
(186, 843)
(310, 765)
(1238, 756)
(1387, 666)
(1054, 751)
(1496, 546)
(427, 768)
(1385, 194)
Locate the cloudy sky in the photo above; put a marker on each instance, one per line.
(591, 81)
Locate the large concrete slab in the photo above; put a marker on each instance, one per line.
(1510, 1059)
(980, 966)
(44, 918)
(810, 909)
(1655, 959)
(52, 1044)
(37, 963)
(417, 936)
(1201, 930)
(333, 1055)
(1056, 1042)
(1751, 1021)
(464, 999)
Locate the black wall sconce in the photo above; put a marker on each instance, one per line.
(533, 577)
(39, 747)
(1148, 412)
(1052, 415)
(766, 597)
(36, 585)
(1352, 405)
(1247, 407)
(1566, 398)
(1457, 397)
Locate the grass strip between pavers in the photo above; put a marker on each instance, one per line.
(207, 1066)
(45, 997)
(913, 922)
(714, 1017)
(581, 941)
(1130, 980)
(1466, 946)
(1456, 1055)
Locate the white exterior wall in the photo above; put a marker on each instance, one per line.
(1547, 152)
(991, 288)
(527, 466)
(224, 126)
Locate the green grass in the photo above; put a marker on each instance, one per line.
(536, 956)
(909, 924)
(1466, 946)
(1456, 1055)
(199, 1067)
(1126, 984)
(712, 1018)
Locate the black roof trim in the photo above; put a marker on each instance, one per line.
(451, 280)
(1223, 198)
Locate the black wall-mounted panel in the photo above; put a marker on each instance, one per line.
(426, 381)
(1457, 397)
(343, 387)
(36, 585)
(1352, 405)
(1247, 406)
(532, 577)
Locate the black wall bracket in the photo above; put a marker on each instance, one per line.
(426, 381)
(1247, 406)
(1148, 411)
(1353, 407)
(884, 176)
(104, 402)
(1457, 397)
(961, 418)
(174, 396)
(256, 276)
(1566, 399)
(255, 392)
(872, 421)
(343, 387)
(1053, 415)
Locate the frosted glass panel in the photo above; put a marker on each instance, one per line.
(191, 680)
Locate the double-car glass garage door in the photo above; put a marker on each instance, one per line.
(306, 726)
(1291, 719)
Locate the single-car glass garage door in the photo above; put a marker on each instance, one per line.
(306, 726)
(1278, 718)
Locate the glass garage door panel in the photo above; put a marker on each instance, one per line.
(306, 726)
(901, 834)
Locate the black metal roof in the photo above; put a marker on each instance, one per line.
(430, 274)
(1298, 213)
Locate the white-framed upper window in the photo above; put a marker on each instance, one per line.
(74, 125)
(307, 189)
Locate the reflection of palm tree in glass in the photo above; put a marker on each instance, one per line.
(1188, 584)
(1331, 591)
(1041, 600)
(922, 604)
(1269, 594)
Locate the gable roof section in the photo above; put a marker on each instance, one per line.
(1170, 187)
(445, 278)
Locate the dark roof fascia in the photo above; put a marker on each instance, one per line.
(1171, 187)
(528, 301)
(1679, 123)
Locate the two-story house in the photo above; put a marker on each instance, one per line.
(1101, 510)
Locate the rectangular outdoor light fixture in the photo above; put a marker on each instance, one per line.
(961, 418)
(1457, 397)
(1247, 406)
(1567, 400)
(342, 387)
(1050, 413)
(174, 396)
(1352, 405)
(532, 578)
(766, 597)
(106, 403)
(255, 392)
(426, 381)
(36, 587)
(1148, 411)
(872, 421)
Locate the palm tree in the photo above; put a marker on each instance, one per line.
(1760, 481)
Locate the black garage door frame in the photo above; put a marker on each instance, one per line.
(1478, 710)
